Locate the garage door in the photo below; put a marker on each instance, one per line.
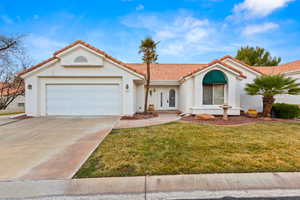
(83, 100)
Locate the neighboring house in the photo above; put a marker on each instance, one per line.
(83, 80)
(17, 105)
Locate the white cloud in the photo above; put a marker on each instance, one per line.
(180, 34)
(140, 7)
(259, 28)
(6, 19)
(165, 34)
(258, 8)
(196, 35)
(42, 47)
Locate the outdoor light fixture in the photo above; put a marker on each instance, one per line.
(127, 86)
(29, 87)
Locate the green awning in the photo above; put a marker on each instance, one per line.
(214, 77)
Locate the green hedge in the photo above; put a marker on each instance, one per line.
(286, 111)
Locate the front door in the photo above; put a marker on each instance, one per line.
(167, 99)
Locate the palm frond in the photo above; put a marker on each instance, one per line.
(271, 85)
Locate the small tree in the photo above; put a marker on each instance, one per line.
(271, 85)
(12, 60)
(148, 49)
(257, 56)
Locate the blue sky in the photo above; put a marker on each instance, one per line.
(189, 31)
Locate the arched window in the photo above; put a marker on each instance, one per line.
(214, 83)
(80, 59)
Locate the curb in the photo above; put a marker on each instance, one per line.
(158, 187)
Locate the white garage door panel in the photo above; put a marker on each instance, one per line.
(83, 100)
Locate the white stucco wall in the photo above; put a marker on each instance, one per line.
(108, 73)
(99, 70)
(255, 102)
(140, 97)
(186, 95)
(191, 93)
(247, 101)
(291, 99)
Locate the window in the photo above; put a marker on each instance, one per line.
(172, 98)
(80, 59)
(214, 84)
(161, 99)
(213, 94)
(21, 104)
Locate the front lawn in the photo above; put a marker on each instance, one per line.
(189, 148)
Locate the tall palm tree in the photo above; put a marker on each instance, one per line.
(148, 49)
(271, 85)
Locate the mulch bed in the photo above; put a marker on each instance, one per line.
(139, 116)
(234, 120)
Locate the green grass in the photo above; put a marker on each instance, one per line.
(188, 148)
(10, 113)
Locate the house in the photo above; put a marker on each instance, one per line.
(83, 80)
(18, 103)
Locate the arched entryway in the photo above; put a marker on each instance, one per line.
(214, 88)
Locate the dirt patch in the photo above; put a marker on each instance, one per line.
(234, 120)
(138, 116)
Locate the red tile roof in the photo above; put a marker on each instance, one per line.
(37, 65)
(241, 62)
(177, 71)
(86, 45)
(168, 71)
(288, 67)
(173, 71)
(215, 62)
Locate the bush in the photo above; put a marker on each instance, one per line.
(286, 111)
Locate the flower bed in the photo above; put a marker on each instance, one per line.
(234, 120)
(138, 116)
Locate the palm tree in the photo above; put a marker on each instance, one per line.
(148, 49)
(271, 85)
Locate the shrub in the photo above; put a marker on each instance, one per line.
(286, 111)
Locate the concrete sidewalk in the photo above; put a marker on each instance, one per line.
(158, 187)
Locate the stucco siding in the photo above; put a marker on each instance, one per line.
(194, 104)
(186, 96)
(57, 73)
(246, 101)
(255, 102)
(291, 99)
(140, 96)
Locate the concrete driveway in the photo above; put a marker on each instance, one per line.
(5, 120)
(49, 148)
